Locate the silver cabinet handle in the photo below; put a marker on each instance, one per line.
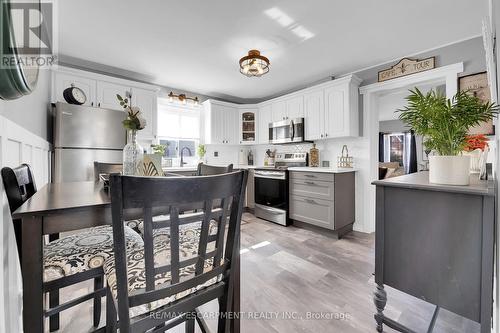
(99, 104)
(321, 135)
(311, 176)
(326, 134)
(311, 201)
(91, 103)
(310, 183)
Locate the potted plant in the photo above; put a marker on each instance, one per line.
(444, 124)
(159, 149)
(201, 151)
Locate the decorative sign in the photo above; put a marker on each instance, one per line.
(405, 67)
(477, 85)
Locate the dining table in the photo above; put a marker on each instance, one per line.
(63, 207)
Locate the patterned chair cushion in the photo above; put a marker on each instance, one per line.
(188, 247)
(82, 251)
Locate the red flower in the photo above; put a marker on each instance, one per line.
(474, 142)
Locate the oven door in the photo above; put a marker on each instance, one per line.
(271, 189)
(286, 131)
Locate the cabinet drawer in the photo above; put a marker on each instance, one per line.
(325, 177)
(312, 188)
(314, 211)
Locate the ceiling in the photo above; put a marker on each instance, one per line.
(195, 45)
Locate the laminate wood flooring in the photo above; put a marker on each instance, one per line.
(304, 280)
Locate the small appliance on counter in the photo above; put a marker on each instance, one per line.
(271, 187)
(243, 156)
(269, 157)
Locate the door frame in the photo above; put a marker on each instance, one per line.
(447, 75)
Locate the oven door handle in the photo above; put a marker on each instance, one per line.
(270, 177)
(270, 209)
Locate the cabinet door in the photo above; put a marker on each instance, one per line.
(63, 81)
(265, 117)
(278, 111)
(106, 95)
(248, 125)
(335, 110)
(217, 125)
(314, 211)
(295, 108)
(231, 125)
(146, 100)
(314, 105)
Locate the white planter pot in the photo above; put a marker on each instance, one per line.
(449, 170)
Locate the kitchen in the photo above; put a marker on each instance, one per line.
(308, 142)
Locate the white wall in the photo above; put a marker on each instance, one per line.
(19, 145)
(32, 111)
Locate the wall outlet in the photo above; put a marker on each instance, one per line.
(216, 154)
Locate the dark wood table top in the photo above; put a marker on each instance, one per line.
(61, 196)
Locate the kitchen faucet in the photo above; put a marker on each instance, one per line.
(182, 155)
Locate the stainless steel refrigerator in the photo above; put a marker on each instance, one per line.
(83, 135)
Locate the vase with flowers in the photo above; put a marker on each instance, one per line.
(132, 152)
(477, 148)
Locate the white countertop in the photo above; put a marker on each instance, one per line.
(323, 170)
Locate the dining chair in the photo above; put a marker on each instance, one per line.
(159, 289)
(208, 170)
(68, 260)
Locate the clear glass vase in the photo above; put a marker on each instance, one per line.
(132, 154)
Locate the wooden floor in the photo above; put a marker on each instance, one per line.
(302, 280)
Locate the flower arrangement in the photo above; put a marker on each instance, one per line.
(135, 120)
(474, 142)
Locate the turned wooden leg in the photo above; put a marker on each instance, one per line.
(380, 299)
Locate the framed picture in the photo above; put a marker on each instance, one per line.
(477, 84)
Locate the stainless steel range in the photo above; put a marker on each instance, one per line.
(271, 187)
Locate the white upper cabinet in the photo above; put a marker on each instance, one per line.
(265, 117)
(220, 122)
(146, 100)
(314, 106)
(63, 81)
(106, 95)
(248, 129)
(278, 111)
(331, 110)
(295, 107)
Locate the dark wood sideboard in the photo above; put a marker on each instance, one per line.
(435, 242)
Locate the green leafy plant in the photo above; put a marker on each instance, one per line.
(159, 149)
(201, 150)
(135, 120)
(444, 123)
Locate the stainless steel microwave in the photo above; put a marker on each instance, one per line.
(287, 131)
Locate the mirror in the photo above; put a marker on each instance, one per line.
(18, 75)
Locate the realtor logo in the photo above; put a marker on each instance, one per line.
(30, 40)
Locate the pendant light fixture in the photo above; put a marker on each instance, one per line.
(254, 64)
